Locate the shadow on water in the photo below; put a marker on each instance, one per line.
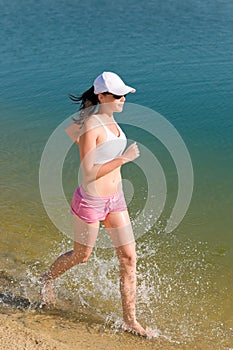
(17, 301)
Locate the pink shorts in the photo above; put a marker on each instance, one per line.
(91, 208)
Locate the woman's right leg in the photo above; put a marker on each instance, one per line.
(85, 235)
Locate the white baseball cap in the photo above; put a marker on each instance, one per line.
(111, 82)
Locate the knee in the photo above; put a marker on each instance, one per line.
(128, 259)
(81, 257)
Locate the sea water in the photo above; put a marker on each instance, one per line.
(179, 58)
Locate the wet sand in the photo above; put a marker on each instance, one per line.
(25, 330)
(22, 330)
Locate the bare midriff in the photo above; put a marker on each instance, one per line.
(106, 185)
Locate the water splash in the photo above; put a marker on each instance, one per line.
(178, 297)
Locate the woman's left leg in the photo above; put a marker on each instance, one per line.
(120, 230)
(85, 235)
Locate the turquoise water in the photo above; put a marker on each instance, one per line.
(179, 58)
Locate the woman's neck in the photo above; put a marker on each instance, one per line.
(105, 112)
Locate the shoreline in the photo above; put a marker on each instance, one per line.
(26, 326)
(25, 330)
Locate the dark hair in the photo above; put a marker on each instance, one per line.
(88, 102)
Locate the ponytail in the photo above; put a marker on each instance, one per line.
(88, 102)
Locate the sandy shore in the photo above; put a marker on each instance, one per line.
(28, 331)
(15, 335)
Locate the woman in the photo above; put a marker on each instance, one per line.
(100, 198)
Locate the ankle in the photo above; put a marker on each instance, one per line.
(130, 320)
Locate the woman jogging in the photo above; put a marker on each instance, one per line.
(100, 197)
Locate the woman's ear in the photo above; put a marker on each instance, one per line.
(100, 97)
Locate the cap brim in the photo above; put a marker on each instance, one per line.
(124, 90)
(131, 89)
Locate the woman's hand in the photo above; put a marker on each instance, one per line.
(131, 153)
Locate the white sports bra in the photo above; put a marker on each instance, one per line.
(112, 147)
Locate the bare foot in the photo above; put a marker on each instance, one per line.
(137, 329)
(47, 295)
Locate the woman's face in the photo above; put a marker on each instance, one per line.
(109, 102)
